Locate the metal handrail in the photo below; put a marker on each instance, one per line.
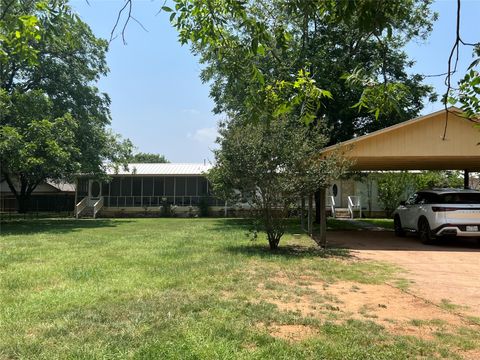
(97, 206)
(354, 204)
(332, 205)
(81, 206)
(122, 201)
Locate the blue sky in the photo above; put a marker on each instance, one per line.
(159, 102)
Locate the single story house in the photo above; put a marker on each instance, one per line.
(145, 188)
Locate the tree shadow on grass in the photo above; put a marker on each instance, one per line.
(222, 224)
(54, 226)
(245, 224)
(285, 250)
(288, 251)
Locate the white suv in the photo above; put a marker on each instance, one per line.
(439, 212)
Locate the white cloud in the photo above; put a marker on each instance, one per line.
(191, 111)
(205, 135)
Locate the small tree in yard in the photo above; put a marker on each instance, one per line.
(271, 165)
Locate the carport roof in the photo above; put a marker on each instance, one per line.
(417, 144)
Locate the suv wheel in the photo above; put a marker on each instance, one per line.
(424, 232)
(397, 225)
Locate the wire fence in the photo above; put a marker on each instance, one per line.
(14, 215)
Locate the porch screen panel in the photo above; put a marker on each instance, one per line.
(202, 186)
(158, 183)
(113, 201)
(82, 187)
(105, 188)
(148, 186)
(127, 187)
(209, 188)
(115, 187)
(191, 186)
(169, 186)
(137, 186)
(180, 186)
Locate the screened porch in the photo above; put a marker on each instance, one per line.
(149, 191)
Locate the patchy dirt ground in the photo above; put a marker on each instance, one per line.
(289, 332)
(399, 312)
(447, 274)
(442, 297)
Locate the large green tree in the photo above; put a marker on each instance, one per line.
(351, 48)
(53, 119)
(348, 53)
(142, 157)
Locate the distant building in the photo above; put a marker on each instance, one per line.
(48, 196)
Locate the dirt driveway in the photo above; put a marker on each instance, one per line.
(445, 274)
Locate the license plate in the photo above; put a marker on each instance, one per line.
(472, 228)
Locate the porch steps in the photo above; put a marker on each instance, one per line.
(342, 213)
(87, 212)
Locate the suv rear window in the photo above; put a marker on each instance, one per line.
(457, 198)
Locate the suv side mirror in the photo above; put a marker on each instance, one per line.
(402, 203)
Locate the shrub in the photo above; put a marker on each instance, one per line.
(203, 207)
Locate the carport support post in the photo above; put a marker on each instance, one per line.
(466, 179)
(323, 217)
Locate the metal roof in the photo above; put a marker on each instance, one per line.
(162, 169)
(62, 186)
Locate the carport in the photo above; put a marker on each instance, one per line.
(443, 140)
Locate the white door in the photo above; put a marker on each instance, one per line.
(94, 191)
(336, 192)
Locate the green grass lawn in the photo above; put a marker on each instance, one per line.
(385, 223)
(175, 288)
(339, 224)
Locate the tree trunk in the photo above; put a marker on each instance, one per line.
(23, 194)
(302, 213)
(23, 203)
(273, 244)
(323, 217)
(317, 207)
(310, 215)
(273, 240)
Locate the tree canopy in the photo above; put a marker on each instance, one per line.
(256, 28)
(142, 157)
(351, 50)
(53, 119)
